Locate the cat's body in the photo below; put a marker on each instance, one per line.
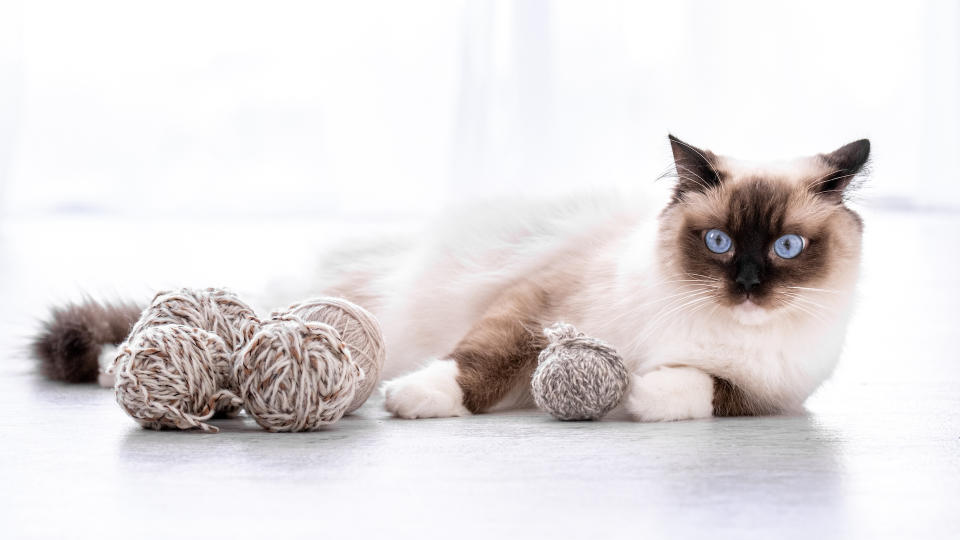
(703, 331)
(465, 307)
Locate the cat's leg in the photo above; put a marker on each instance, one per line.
(671, 393)
(732, 400)
(496, 356)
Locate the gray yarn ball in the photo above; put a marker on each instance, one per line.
(578, 377)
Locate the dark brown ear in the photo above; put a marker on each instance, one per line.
(845, 163)
(696, 168)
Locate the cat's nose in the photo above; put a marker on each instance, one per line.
(748, 282)
(748, 276)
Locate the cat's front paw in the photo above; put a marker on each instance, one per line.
(432, 392)
(667, 394)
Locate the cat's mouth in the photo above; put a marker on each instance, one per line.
(749, 312)
(747, 300)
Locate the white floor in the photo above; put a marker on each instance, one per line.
(878, 455)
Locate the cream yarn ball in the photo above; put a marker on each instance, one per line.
(296, 375)
(165, 377)
(577, 377)
(358, 329)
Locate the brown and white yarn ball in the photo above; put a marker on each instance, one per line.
(194, 353)
(296, 375)
(165, 377)
(215, 310)
(358, 329)
(578, 377)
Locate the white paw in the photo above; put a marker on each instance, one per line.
(667, 394)
(432, 392)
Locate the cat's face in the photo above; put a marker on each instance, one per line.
(760, 242)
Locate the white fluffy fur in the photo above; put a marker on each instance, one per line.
(431, 392)
(428, 295)
(667, 394)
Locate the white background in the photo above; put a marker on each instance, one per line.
(381, 109)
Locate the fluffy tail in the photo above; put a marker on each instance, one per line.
(69, 343)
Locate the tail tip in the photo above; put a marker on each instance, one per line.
(67, 351)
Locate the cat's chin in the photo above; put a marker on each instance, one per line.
(750, 314)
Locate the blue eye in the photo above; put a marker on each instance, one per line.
(718, 241)
(788, 246)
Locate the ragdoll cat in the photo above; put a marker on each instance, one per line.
(733, 299)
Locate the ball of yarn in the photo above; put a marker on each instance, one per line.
(358, 329)
(165, 377)
(296, 375)
(215, 310)
(578, 377)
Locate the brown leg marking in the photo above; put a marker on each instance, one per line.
(731, 400)
(501, 350)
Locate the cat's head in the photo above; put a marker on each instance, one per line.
(763, 240)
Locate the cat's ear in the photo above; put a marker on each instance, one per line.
(843, 165)
(696, 168)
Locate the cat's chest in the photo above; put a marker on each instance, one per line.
(779, 362)
(713, 346)
(717, 354)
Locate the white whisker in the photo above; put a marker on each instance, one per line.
(812, 313)
(813, 289)
(808, 301)
(672, 313)
(673, 300)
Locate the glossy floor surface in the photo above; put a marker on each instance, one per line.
(878, 454)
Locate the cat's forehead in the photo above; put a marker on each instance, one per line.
(755, 196)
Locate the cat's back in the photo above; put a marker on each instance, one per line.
(429, 287)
